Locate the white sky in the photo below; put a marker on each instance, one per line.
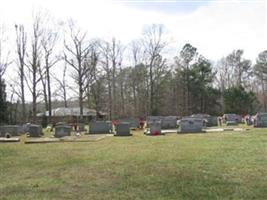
(216, 28)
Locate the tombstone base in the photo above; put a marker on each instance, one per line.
(123, 135)
(15, 139)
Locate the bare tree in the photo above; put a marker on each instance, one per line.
(34, 62)
(105, 50)
(135, 51)
(4, 63)
(241, 67)
(4, 54)
(91, 63)
(116, 60)
(62, 86)
(75, 55)
(111, 54)
(21, 41)
(48, 43)
(153, 46)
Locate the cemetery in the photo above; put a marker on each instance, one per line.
(210, 143)
(95, 154)
(134, 100)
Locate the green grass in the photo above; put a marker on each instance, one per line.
(229, 165)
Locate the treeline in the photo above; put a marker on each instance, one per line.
(123, 80)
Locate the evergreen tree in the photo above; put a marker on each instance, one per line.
(3, 103)
(238, 100)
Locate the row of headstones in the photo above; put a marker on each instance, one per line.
(166, 122)
(172, 122)
(33, 130)
(16, 130)
(186, 125)
(105, 127)
(61, 130)
(259, 120)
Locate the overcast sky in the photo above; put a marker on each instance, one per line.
(215, 27)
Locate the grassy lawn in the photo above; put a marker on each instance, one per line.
(229, 165)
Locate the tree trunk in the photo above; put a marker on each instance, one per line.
(49, 95)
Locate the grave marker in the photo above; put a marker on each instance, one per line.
(35, 130)
(169, 122)
(123, 129)
(100, 127)
(154, 128)
(134, 122)
(11, 130)
(191, 125)
(260, 120)
(62, 131)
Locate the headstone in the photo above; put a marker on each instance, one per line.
(25, 127)
(151, 119)
(169, 122)
(11, 130)
(191, 125)
(100, 127)
(231, 118)
(204, 117)
(260, 120)
(81, 127)
(35, 130)
(212, 121)
(62, 131)
(123, 129)
(154, 128)
(134, 122)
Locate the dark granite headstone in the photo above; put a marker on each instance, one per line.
(62, 131)
(212, 121)
(123, 129)
(151, 119)
(100, 127)
(260, 120)
(231, 118)
(191, 125)
(26, 127)
(35, 130)
(11, 130)
(169, 122)
(134, 122)
(154, 128)
(81, 127)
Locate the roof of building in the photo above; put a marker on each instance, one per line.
(75, 111)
